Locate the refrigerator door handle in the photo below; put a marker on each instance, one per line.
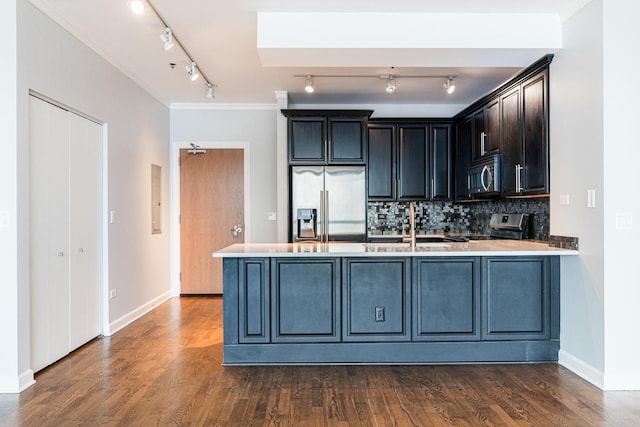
(326, 216)
(321, 218)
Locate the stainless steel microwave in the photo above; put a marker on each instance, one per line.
(484, 176)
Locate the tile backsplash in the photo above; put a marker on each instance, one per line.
(433, 217)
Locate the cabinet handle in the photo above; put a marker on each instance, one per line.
(321, 226)
(398, 188)
(482, 136)
(519, 178)
(469, 184)
(326, 216)
(433, 188)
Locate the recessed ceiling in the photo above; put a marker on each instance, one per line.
(223, 38)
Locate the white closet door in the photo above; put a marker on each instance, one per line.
(49, 232)
(85, 153)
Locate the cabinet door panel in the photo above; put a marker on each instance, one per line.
(492, 126)
(413, 165)
(446, 299)
(516, 298)
(307, 140)
(253, 300)
(381, 162)
(535, 145)
(305, 300)
(376, 300)
(346, 141)
(441, 162)
(463, 157)
(511, 140)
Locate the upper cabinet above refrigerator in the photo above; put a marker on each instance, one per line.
(327, 137)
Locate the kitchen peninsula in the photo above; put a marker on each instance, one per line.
(440, 302)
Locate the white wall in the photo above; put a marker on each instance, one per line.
(57, 65)
(14, 366)
(594, 144)
(64, 69)
(576, 126)
(255, 127)
(621, 151)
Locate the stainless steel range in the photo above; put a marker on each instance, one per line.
(509, 226)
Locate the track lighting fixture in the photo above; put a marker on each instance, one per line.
(449, 86)
(136, 6)
(192, 71)
(308, 85)
(389, 78)
(209, 93)
(167, 39)
(391, 85)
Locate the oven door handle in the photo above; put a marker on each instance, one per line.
(486, 170)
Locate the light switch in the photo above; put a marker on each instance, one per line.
(112, 217)
(591, 198)
(271, 216)
(564, 200)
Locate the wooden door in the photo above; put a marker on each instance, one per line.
(211, 204)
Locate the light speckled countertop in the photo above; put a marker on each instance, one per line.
(470, 248)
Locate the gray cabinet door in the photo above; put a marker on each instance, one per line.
(375, 299)
(516, 297)
(446, 299)
(305, 300)
(253, 300)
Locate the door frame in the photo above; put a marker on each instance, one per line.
(175, 199)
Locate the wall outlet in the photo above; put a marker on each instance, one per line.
(271, 216)
(379, 314)
(564, 200)
(112, 217)
(624, 221)
(113, 293)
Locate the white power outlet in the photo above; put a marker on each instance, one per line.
(271, 216)
(624, 221)
(564, 200)
(113, 293)
(591, 198)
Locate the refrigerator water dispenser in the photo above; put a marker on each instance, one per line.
(307, 223)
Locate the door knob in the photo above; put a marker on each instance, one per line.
(236, 230)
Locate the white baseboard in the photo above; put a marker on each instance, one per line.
(581, 368)
(123, 321)
(17, 384)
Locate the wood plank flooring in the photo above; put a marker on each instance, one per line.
(165, 369)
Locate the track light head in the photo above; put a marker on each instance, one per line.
(209, 93)
(449, 86)
(308, 84)
(167, 39)
(391, 85)
(192, 71)
(136, 6)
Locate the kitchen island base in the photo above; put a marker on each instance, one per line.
(391, 309)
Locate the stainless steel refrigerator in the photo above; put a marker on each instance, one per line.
(328, 203)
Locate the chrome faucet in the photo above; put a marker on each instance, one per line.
(411, 239)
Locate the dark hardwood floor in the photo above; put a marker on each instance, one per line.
(165, 369)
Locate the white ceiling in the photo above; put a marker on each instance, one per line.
(221, 35)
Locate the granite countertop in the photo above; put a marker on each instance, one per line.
(470, 248)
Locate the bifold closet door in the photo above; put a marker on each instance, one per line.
(49, 232)
(85, 252)
(65, 231)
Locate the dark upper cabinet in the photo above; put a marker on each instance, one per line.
(317, 137)
(462, 158)
(381, 162)
(441, 168)
(413, 162)
(486, 129)
(525, 144)
(409, 161)
(511, 140)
